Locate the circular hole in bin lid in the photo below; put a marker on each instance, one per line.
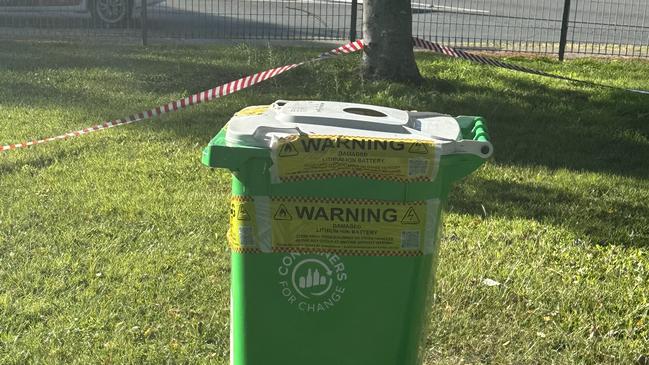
(364, 111)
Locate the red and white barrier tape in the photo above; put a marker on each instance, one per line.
(204, 96)
(245, 82)
(201, 97)
(458, 53)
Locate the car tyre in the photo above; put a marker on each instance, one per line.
(111, 13)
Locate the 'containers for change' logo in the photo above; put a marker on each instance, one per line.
(313, 283)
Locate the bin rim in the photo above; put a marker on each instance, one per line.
(331, 118)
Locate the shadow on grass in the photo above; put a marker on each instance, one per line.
(580, 129)
(154, 73)
(589, 216)
(531, 124)
(40, 162)
(114, 80)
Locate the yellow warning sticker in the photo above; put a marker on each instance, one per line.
(252, 110)
(314, 157)
(242, 230)
(353, 225)
(304, 224)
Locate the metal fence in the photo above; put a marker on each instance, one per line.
(603, 27)
(607, 27)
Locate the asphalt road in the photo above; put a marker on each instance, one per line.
(470, 21)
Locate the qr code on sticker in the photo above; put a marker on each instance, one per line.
(417, 167)
(409, 240)
(245, 236)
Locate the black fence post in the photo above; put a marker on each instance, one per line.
(564, 29)
(352, 25)
(143, 20)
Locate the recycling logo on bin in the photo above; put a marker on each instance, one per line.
(312, 282)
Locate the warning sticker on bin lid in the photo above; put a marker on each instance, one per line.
(307, 157)
(347, 226)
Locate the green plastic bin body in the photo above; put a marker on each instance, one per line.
(375, 310)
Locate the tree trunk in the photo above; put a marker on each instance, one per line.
(387, 30)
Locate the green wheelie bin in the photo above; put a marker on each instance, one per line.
(334, 230)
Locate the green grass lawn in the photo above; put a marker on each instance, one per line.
(112, 245)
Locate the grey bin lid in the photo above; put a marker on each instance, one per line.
(286, 118)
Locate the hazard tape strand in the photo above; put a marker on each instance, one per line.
(195, 99)
(198, 98)
(458, 53)
(248, 81)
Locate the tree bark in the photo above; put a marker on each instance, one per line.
(387, 30)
